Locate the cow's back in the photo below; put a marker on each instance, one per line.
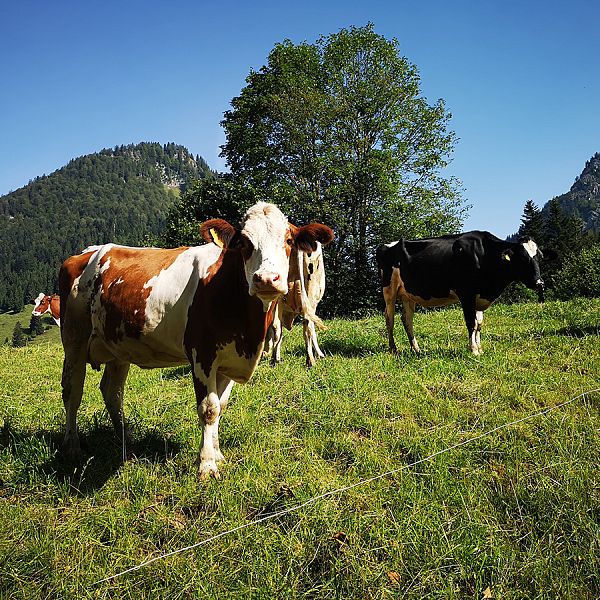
(136, 301)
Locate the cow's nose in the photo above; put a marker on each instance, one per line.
(266, 279)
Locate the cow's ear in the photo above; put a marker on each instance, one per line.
(507, 254)
(218, 231)
(307, 236)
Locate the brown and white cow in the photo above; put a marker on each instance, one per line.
(209, 305)
(45, 303)
(306, 285)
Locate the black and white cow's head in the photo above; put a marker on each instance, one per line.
(523, 260)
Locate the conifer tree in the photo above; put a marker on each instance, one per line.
(18, 337)
(36, 327)
(532, 223)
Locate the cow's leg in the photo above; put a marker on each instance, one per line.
(479, 319)
(276, 330)
(469, 312)
(315, 341)
(73, 377)
(389, 295)
(112, 386)
(209, 411)
(224, 386)
(276, 356)
(311, 342)
(408, 311)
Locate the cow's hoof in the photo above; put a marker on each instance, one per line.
(207, 470)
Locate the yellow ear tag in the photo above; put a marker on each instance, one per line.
(215, 238)
(506, 257)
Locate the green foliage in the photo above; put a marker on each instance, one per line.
(18, 337)
(120, 195)
(580, 275)
(214, 198)
(338, 132)
(516, 511)
(36, 327)
(559, 234)
(532, 223)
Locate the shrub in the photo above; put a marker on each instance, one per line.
(580, 275)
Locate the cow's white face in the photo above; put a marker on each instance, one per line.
(266, 245)
(531, 248)
(265, 242)
(41, 305)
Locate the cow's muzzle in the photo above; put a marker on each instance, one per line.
(268, 285)
(540, 288)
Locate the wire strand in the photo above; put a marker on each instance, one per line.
(343, 489)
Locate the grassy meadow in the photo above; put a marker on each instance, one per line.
(512, 515)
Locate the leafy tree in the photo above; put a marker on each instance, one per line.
(205, 199)
(337, 131)
(580, 274)
(18, 337)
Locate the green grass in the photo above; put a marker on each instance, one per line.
(517, 511)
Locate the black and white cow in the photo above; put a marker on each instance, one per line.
(472, 268)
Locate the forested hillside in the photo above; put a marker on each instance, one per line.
(583, 199)
(116, 195)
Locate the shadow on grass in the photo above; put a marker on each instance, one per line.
(576, 331)
(347, 348)
(102, 455)
(176, 372)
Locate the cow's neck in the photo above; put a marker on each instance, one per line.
(223, 313)
(55, 307)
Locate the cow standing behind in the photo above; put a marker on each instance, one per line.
(45, 303)
(472, 268)
(210, 306)
(306, 283)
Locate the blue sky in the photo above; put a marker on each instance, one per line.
(521, 79)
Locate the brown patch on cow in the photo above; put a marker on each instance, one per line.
(70, 270)
(123, 295)
(223, 312)
(55, 306)
(404, 294)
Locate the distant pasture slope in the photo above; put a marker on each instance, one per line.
(517, 511)
(8, 320)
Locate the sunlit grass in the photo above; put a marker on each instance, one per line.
(516, 511)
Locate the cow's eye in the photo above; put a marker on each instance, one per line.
(246, 247)
(290, 242)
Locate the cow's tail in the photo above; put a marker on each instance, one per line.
(308, 311)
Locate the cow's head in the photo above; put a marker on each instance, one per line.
(524, 258)
(41, 305)
(265, 240)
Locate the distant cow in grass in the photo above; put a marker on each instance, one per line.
(306, 283)
(44, 304)
(209, 306)
(471, 268)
